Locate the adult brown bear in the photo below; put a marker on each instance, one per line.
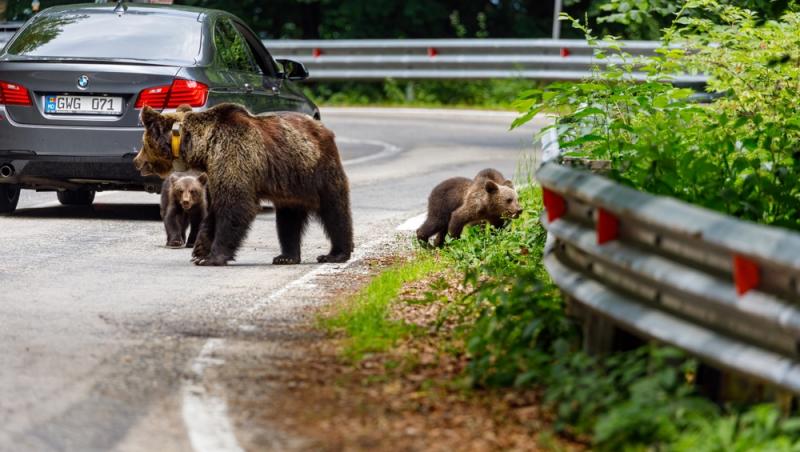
(289, 159)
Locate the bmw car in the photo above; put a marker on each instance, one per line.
(73, 81)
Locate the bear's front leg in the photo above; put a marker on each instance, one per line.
(204, 239)
(174, 227)
(195, 220)
(458, 220)
(233, 216)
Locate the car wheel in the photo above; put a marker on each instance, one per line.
(9, 197)
(76, 197)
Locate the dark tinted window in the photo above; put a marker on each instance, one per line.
(140, 35)
(232, 51)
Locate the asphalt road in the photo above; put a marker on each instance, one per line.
(106, 337)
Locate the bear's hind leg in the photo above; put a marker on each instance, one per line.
(337, 221)
(291, 223)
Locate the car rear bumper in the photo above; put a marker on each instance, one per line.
(48, 172)
(59, 157)
(44, 140)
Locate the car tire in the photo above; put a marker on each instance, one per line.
(9, 197)
(76, 197)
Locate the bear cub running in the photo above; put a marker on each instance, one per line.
(458, 202)
(183, 204)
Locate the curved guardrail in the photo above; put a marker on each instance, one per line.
(544, 59)
(725, 290)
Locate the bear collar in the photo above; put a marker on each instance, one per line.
(178, 164)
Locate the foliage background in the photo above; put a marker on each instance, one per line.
(337, 19)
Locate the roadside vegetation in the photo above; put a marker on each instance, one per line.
(737, 154)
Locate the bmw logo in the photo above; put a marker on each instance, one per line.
(83, 82)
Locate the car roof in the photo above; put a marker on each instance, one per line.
(171, 10)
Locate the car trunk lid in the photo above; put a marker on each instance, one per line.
(47, 80)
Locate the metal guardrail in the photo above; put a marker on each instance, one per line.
(544, 59)
(419, 59)
(724, 290)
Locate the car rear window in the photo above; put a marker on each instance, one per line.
(137, 35)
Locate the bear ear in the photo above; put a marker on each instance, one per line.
(184, 108)
(491, 187)
(150, 118)
(508, 183)
(202, 178)
(174, 178)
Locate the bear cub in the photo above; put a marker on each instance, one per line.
(458, 202)
(183, 204)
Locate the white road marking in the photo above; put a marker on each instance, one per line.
(387, 149)
(205, 415)
(413, 223)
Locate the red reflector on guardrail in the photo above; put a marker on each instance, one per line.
(432, 52)
(607, 227)
(556, 205)
(746, 275)
(316, 53)
(564, 52)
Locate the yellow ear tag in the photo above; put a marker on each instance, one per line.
(176, 140)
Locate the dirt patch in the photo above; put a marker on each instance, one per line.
(412, 398)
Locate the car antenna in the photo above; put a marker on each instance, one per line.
(121, 7)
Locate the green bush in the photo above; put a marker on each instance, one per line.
(737, 155)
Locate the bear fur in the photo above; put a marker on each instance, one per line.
(183, 205)
(493, 174)
(289, 159)
(458, 202)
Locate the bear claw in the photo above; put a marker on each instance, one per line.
(285, 260)
(174, 244)
(213, 261)
(333, 258)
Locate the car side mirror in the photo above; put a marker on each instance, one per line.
(293, 70)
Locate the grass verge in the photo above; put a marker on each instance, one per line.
(364, 319)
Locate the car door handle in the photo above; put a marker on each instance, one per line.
(248, 88)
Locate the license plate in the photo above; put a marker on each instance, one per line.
(83, 105)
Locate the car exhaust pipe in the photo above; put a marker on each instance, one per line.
(6, 171)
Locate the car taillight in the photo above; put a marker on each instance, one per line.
(14, 94)
(154, 97)
(180, 92)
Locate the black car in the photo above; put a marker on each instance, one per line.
(73, 81)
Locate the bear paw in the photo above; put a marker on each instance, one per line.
(286, 260)
(211, 261)
(333, 258)
(174, 244)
